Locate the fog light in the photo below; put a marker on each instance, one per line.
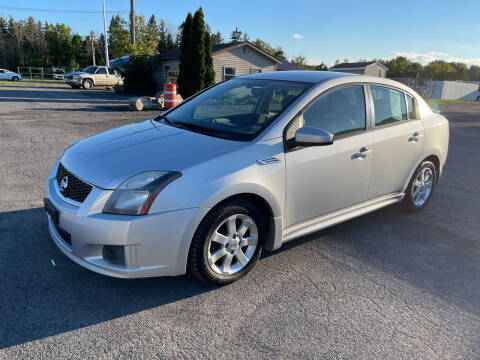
(114, 254)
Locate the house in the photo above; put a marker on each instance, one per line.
(372, 68)
(285, 65)
(229, 60)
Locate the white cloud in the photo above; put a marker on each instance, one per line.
(297, 36)
(425, 58)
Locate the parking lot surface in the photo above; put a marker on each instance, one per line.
(386, 285)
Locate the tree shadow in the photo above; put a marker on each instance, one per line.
(43, 293)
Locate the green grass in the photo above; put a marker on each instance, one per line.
(32, 83)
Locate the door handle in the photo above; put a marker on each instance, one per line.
(362, 153)
(414, 138)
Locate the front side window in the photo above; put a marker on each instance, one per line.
(228, 73)
(238, 109)
(2, 71)
(102, 71)
(389, 105)
(340, 111)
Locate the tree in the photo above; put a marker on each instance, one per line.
(209, 71)
(119, 37)
(217, 38)
(265, 46)
(439, 70)
(198, 52)
(236, 35)
(245, 36)
(185, 67)
(165, 38)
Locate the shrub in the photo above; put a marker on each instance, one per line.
(139, 74)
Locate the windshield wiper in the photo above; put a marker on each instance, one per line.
(164, 118)
(201, 129)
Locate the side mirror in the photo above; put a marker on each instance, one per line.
(310, 136)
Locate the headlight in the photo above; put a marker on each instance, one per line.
(135, 195)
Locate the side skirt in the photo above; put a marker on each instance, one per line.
(324, 221)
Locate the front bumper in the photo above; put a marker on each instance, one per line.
(74, 82)
(150, 245)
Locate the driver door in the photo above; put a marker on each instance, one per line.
(324, 179)
(101, 76)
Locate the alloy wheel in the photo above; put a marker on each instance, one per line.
(422, 186)
(232, 245)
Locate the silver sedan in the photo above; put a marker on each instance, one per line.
(246, 165)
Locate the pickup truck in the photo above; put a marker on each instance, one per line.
(93, 76)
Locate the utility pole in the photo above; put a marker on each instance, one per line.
(107, 61)
(132, 22)
(93, 47)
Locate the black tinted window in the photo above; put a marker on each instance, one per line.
(102, 71)
(111, 71)
(389, 105)
(339, 111)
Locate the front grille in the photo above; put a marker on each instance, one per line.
(76, 189)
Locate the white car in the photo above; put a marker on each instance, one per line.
(245, 165)
(9, 75)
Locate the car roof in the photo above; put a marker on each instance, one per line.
(299, 75)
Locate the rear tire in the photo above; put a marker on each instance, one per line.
(227, 243)
(420, 188)
(87, 84)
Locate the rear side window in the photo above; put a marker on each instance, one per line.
(411, 108)
(389, 105)
(111, 71)
(102, 71)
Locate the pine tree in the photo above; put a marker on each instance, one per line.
(236, 35)
(185, 67)
(209, 71)
(198, 52)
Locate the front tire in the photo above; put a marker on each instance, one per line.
(87, 84)
(227, 243)
(15, 78)
(420, 188)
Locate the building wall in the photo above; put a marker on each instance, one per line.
(452, 90)
(375, 70)
(243, 59)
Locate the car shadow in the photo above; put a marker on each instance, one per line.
(43, 293)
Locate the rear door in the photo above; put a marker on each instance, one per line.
(3, 75)
(399, 138)
(324, 179)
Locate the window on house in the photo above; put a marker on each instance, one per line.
(228, 73)
(255, 70)
(389, 105)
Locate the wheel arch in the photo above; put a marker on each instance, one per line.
(435, 159)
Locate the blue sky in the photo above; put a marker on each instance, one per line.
(422, 30)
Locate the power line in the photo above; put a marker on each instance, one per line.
(60, 11)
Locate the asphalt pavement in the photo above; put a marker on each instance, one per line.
(386, 285)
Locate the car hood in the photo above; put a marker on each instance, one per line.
(75, 73)
(109, 158)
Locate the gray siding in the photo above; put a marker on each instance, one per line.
(375, 70)
(242, 59)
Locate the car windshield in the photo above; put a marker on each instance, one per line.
(238, 109)
(90, 69)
